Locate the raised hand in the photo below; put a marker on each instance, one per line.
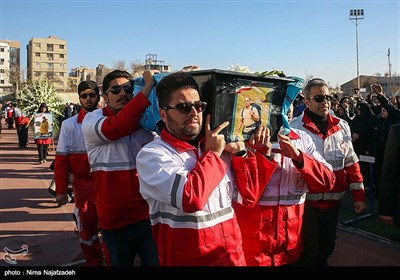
(213, 140)
(287, 149)
(260, 140)
(149, 81)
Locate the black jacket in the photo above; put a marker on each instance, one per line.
(389, 190)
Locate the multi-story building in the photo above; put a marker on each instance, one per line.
(78, 75)
(9, 66)
(152, 63)
(390, 85)
(47, 59)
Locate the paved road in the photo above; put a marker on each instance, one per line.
(29, 216)
(28, 213)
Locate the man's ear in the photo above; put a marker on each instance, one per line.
(163, 115)
(105, 96)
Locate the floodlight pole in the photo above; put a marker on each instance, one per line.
(357, 15)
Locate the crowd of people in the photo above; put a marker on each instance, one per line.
(186, 197)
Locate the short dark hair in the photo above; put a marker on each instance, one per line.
(316, 82)
(113, 75)
(171, 83)
(87, 85)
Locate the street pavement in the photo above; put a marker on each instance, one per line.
(42, 234)
(29, 215)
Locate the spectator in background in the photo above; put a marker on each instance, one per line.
(10, 116)
(71, 158)
(332, 138)
(44, 142)
(363, 127)
(113, 138)
(384, 101)
(389, 191)
(21, 123)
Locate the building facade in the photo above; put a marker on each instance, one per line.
(390, 85)
(9, 66)
(47, 59)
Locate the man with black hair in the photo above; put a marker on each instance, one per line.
(332, 138)
(190, 176)
(113, 138)
(71, 159)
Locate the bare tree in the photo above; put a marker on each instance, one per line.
(119, 64)
(137, 68)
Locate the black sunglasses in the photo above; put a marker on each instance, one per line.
(85, 95)
(128, 88)
(322, 97)
(186, 107)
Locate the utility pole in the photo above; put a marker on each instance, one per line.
(357, 15)
(390, 71)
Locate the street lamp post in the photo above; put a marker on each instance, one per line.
(355, 16)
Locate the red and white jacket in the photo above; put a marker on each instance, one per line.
(337, 149)
(190, 196)
(71, 158)
(112, 142)
(272, 229)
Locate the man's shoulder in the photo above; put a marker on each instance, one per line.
(90, 116)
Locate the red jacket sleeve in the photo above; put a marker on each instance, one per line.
(201, 181)
(61, 174)
(252, 175)
(319, 177)
(126, 121)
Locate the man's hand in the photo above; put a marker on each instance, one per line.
(287, 149)
(149, 81)
(62, 199)
(387, 219)
(260, 140)
(213, 140)
(359, 206)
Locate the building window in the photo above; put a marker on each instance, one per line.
(37, 45)
(50, 47)
(50, 56)
(2, 82)
(61, 47)
(50, 75)
(37, 74)
(1, 49)
(50, 65)
(37, 54)
(61, 74)
(37, 64)
(62, 65)
(1, 61)
(61, 55)
(2, 71)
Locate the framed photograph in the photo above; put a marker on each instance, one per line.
(245, 100)
(43, 126)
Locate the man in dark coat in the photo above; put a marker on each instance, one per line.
(389, 190)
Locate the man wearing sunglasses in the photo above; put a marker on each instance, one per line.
(189, 177)
(332, 138)
(113, 138)
(71, 158)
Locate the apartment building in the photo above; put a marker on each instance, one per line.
(47, 59)
(9, 66)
